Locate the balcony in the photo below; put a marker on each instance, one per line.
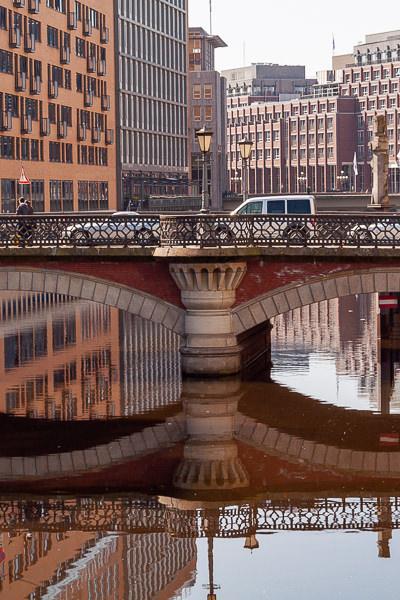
(20, 81)
(88, 98)
(33, 6)
(109, 137)
(6, 120)
(101, 68)
(91, 64)
(53, 89)
(15, 38)
(105, 102)
(104, 35)
(26, 124)
(19, 3)
(62, 130)
(72, 21)
(65, 55)
(36, 85)
(29, 42)
(44, 126)
(96, 135)
(87, 28)
(81, 133)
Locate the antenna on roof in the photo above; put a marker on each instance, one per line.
(210, 17)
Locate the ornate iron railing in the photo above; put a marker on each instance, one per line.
(327, 230)
(319, 231)
(79, 230)
(145, 516)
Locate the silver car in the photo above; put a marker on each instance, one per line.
(120, 228)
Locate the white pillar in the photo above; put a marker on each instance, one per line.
(208, 291)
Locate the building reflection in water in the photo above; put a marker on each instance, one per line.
(346, 330)
(69, 359)
(240, 466)
(96, 566)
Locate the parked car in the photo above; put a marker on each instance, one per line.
(384, 232)
(119, 228)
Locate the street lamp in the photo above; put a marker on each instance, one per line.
(204, 140)
(302, 179)
(342, 180)
(236, 180)
(245, 146)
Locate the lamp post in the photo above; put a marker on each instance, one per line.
(302, 179)
(236, 180)
(204, 140)
(342, 180)
(245, 146)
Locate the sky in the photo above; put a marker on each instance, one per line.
(291, 31)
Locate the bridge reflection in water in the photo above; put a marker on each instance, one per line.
(197, 460)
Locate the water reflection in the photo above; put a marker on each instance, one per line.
(65, 359)
(119, 481)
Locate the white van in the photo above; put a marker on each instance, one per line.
(293, 225)
(277, 205)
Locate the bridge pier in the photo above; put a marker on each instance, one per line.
(211, 460)
(208, 292)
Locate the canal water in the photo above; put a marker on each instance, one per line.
(121, 480)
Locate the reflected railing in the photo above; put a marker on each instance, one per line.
(182, 518)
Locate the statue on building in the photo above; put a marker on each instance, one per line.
(380, 164)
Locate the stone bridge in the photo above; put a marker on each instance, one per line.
(215, 298)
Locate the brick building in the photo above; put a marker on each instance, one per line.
(207, 107)
(308, 142)
(56, 104)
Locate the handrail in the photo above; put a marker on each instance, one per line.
(327, 230)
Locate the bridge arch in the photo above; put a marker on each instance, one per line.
(326, 287)
(95, 289)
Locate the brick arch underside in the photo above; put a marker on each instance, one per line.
(326, 287)
(95, 289)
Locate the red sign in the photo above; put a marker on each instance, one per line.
(389, 439)
(387, 302)
(23, 178)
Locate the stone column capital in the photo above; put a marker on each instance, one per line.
(208, 277)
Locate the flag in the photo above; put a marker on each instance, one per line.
(355, 165)
(23, 178)
(333, 43)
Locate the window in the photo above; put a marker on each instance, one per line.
(276, 207)
(252, 208)
(92, 195)
(197, 92)
(208, 92)
(6, 62)
(298, 207)
(208, 113)
(197, 113)
(275, 153)
(52, 37)
(61, 196)
(3, 18)
(80, 48)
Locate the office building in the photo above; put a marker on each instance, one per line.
(57, 112)
(308, 142)
(152, 98)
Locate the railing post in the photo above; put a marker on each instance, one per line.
(208, 291)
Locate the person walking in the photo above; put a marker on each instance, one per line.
(22, 210)
(29, 226)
